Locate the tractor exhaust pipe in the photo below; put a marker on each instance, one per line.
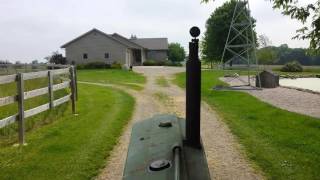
(193, 92)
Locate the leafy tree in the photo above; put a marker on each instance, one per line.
(267, 55)
(217, 29)
(4, 62)
(35, 62)
(176, 52)
(284, 54)
(56, 58)
(264, 41)
(303, 14)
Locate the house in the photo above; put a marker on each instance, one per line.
(97, 46)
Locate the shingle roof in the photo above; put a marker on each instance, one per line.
(126, 41)
(152, 43)
(148, 43)
(94, 30)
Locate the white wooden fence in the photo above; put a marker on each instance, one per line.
(22, 95)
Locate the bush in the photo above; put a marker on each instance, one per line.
(161, 63)
(116, 65)
(94, 65)
(292, 67)
(153, 63)
(99, 65)
(170, 63)
(80, 66)
(149, 63)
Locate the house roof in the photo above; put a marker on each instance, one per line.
(147, 43)
(94, 30)
(126, 41)
(152, 43)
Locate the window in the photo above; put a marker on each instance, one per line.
(85, 56)
(106, 55)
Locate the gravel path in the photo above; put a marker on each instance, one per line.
(288, 99)
(225, 159)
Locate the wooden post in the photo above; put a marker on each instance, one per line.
(50, 89)
(20, 89)
(72, 85)
(76, 81)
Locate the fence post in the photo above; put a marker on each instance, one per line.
(20, 89)
(76, 81)
(72, 85)
(50, 88)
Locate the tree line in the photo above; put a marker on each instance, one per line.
(272, 55)
(218, 24)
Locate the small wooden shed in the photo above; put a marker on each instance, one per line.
(268, 79)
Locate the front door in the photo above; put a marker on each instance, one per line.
(137, 57)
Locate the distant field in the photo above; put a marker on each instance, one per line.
(113, 76)
(72, 147)
(23, 68)
(283, 144)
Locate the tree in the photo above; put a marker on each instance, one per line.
(303, 14)
(35, 62)
(310, 12)
(264, 41)
(284, 54)
(4, 62)
(215, 36)
(267, 55)
(56, 58)
(176, 52)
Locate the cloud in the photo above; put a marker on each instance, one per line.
(33, 29)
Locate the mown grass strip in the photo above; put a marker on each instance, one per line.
(125, 78)
(8, 134)
(162, 81)
(283, 144)
(72, 147)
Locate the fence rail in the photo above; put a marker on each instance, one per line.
(22, 95)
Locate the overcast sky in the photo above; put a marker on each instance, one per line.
(31, 30)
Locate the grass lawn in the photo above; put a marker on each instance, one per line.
(283, 144)
(113, 76)
(8, 134)
(162, 81)
(72, 147)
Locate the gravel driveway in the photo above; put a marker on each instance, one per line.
(225, 159)
(288, 99)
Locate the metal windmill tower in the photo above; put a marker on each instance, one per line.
(240, 46)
